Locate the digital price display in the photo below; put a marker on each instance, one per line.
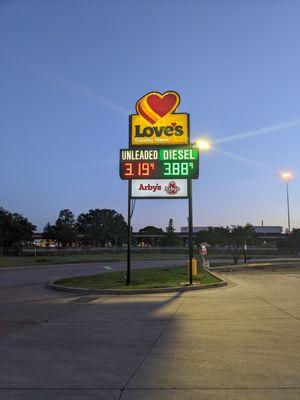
(136, 169)
(180, 163)
(172, 169)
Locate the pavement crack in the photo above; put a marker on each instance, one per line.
(273, 305)
(214, 388)
(151, 348)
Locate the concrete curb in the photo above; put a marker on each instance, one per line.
(52, 285)
(255, 266)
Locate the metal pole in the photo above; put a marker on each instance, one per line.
(288, 205)
(245, 253)
(191, 255)
(129, 234)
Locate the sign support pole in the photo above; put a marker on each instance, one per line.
(176, 127)
(191, 251)
(129, 234)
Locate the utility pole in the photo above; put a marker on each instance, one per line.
(191, 250)
(129, 235)
(288, 205)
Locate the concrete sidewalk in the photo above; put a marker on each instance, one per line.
(238, 342)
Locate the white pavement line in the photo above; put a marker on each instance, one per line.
(152, 346)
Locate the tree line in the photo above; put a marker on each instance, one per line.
(15, 231)
(291, 243)
(169, 239)
(234, 238)
(99, 227)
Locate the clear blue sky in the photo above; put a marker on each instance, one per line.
(71, 72)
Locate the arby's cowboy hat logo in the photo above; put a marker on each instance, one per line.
(172, 188)
(157, 122)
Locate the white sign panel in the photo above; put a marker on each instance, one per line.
(159, 188)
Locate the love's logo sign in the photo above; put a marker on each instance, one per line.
(157, 123)
(153, 106)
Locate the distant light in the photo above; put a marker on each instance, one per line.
(286, 175)
(203, 144)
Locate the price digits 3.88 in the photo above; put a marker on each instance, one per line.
(176, 168)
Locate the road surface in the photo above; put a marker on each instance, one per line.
(237, 342)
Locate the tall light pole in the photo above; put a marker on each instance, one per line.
(287, 176)
(203, 145)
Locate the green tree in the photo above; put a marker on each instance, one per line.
(238, 237)
(202, 237)
(65, 228)
(102, 226)
(218, 235)
(235, 238)
(290, 243)
(213, 236)
(49, 233)
(151, 230)
(171, 239)
(170, 227)
(294, 240)
(15, 230)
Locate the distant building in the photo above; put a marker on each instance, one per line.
(268, 229)
(258, 229)
(185, 229)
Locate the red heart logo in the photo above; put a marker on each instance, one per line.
(154, 105)
(162, 105)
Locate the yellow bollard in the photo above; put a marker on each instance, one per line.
(194, 266)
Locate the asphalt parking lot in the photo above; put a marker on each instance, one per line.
(237, 342)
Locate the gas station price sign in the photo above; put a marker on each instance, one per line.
(162, 163)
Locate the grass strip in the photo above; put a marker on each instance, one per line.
(140, 279)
